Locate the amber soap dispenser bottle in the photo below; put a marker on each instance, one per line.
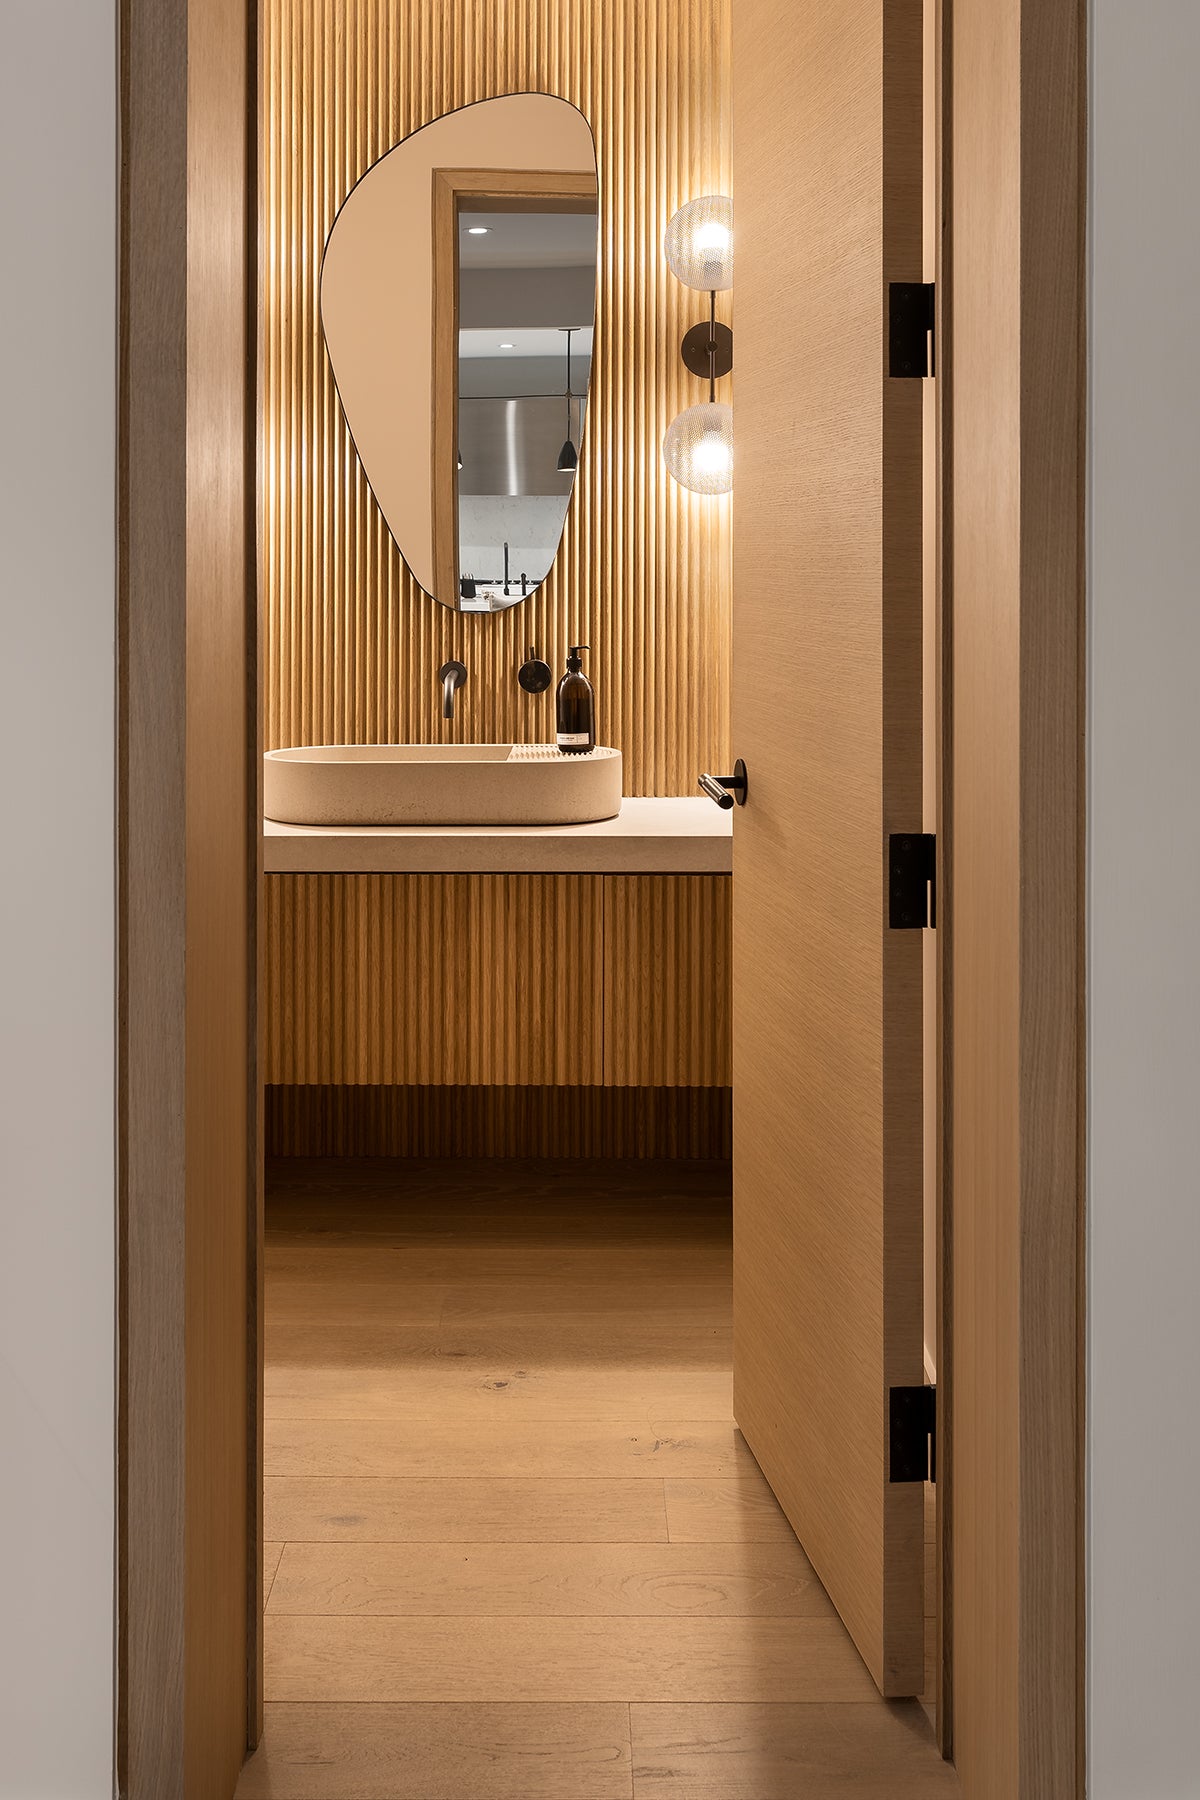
(576, 707)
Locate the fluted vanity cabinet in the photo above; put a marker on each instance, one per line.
(495, 980)
(667, 980)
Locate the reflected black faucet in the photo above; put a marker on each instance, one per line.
(506, 567)
(452, 676)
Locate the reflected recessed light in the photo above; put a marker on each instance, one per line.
(477, 230)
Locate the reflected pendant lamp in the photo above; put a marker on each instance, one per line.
(568, 456)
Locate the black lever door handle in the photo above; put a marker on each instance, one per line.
(726, 790)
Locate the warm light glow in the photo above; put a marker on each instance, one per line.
(698, 448)
(477, 230)
(712, 236)
(699, 243)
(712, 455)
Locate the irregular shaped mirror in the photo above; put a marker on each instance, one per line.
(458, 293)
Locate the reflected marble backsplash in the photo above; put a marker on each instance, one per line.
(529, 524)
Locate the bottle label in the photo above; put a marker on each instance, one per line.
(571, 739)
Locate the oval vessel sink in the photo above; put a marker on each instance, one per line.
(440, 784)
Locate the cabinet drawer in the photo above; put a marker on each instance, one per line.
(497, 980)
(440, 979)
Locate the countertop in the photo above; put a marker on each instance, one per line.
(680, 835)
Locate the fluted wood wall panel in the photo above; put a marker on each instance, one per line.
(351, 645)
(500, 980)
(413, 979)
(667, 980)
(499, 1121)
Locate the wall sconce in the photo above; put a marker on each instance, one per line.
(698, 447)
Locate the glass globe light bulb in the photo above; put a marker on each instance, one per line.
(699, 244)
(698, 448)
(712, 236)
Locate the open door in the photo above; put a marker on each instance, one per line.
(827, 717)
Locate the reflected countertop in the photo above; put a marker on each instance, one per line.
(680, 835)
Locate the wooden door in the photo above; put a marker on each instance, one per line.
(827, 715)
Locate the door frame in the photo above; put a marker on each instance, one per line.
(1012, 111)
(1032, 1748)
(188, 886)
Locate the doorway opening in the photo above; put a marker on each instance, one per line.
(630, 1093)
(502, 1469)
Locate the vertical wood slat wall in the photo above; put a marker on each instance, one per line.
(351, 645)
(548, 981)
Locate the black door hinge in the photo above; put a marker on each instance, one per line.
(912, 1433)
(910, 328)
(912, 880)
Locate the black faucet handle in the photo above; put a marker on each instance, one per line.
(534, 675)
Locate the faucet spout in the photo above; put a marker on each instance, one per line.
(452, 676)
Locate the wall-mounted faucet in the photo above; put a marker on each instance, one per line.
(452, 676)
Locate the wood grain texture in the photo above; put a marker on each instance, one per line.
(940, 252)
(1015, 889)
(495, 1389)
(427, 979)
(374, 1121)
(827, 714)
(152, 677)
(552, 1659)
(601, 1580)
(538, 1510)
(516, 1449)
(506, 980)
(222, 1609)
(352, 647)
(727, 1509)
(667, 980)
(763, 1752)
(490, 1752)
(189, 1580)
(272, 1553)
(526, 1589)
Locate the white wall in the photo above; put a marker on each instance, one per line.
(1144, 904)
(57, 543)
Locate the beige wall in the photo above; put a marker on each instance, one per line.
(1143, 881)
(58, 187)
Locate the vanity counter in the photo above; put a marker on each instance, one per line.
(680, 835)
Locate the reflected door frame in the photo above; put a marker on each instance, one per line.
(474, 190)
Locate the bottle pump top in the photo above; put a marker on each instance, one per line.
(574, 660)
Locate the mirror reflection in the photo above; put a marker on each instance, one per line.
(526, 297)
(458, 293)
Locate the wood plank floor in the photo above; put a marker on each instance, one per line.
(516, 1547)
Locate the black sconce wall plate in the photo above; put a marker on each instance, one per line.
(708, 349)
